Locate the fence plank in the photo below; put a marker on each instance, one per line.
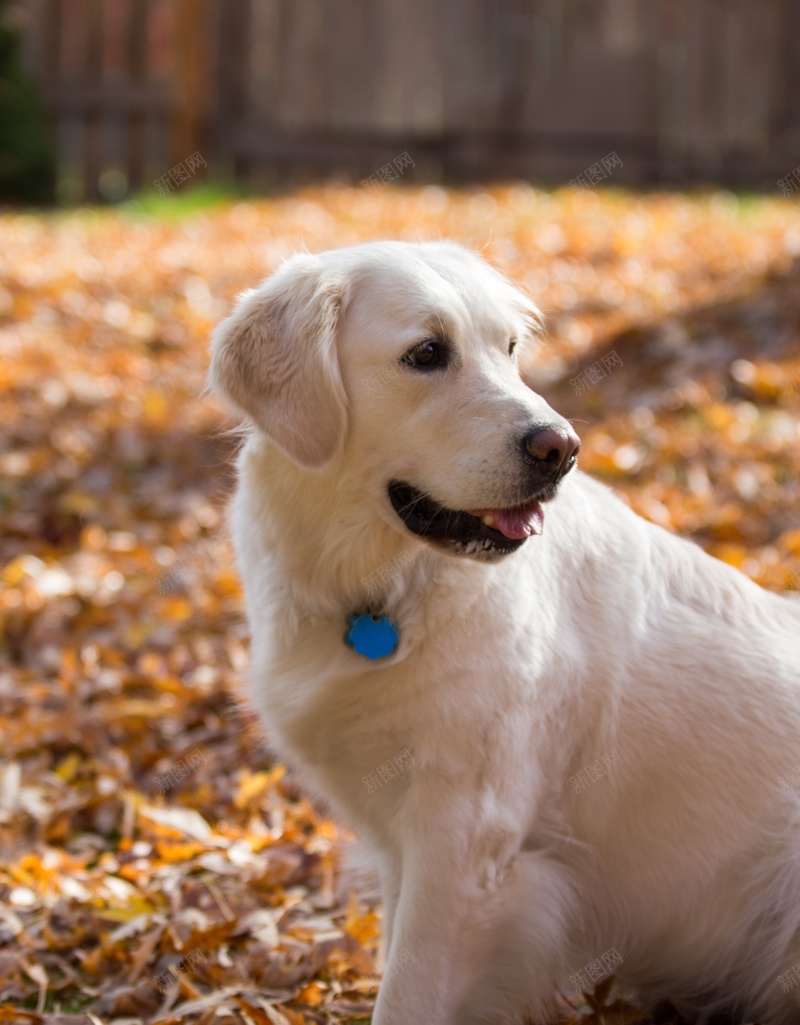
(93, 142)
(233, 63)
(138, 12)
(191, 70)
(265, 69)
(301, 98)
(351, 62)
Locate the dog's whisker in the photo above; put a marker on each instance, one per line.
(411, 505)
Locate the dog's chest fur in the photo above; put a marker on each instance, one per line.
(466, 706)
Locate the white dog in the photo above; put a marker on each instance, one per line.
(567, 735)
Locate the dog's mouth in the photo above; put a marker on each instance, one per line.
(486, 532)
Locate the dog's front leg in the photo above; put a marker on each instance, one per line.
(475, 941)
(421, 976)
(389, 871)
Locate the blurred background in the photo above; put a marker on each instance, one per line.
(633, 164)
(270, 91)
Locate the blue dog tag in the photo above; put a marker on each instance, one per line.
(371, 636)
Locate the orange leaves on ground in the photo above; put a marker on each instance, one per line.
(154, 860)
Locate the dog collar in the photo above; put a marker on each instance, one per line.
(372, 636)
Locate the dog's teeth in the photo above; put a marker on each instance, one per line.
(487, 520)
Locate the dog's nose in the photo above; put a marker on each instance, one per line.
(554, 448)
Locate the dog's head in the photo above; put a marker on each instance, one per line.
(393, 366)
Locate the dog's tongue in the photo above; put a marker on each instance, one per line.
(515, 524)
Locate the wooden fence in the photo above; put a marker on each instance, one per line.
(127, 86)
(273, 90)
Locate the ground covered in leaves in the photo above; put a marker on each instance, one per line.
(156, 864)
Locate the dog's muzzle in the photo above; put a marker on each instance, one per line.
(549, 452)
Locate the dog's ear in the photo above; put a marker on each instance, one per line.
(274, 359)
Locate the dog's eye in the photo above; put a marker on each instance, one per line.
(511, 346)
(426, 355)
